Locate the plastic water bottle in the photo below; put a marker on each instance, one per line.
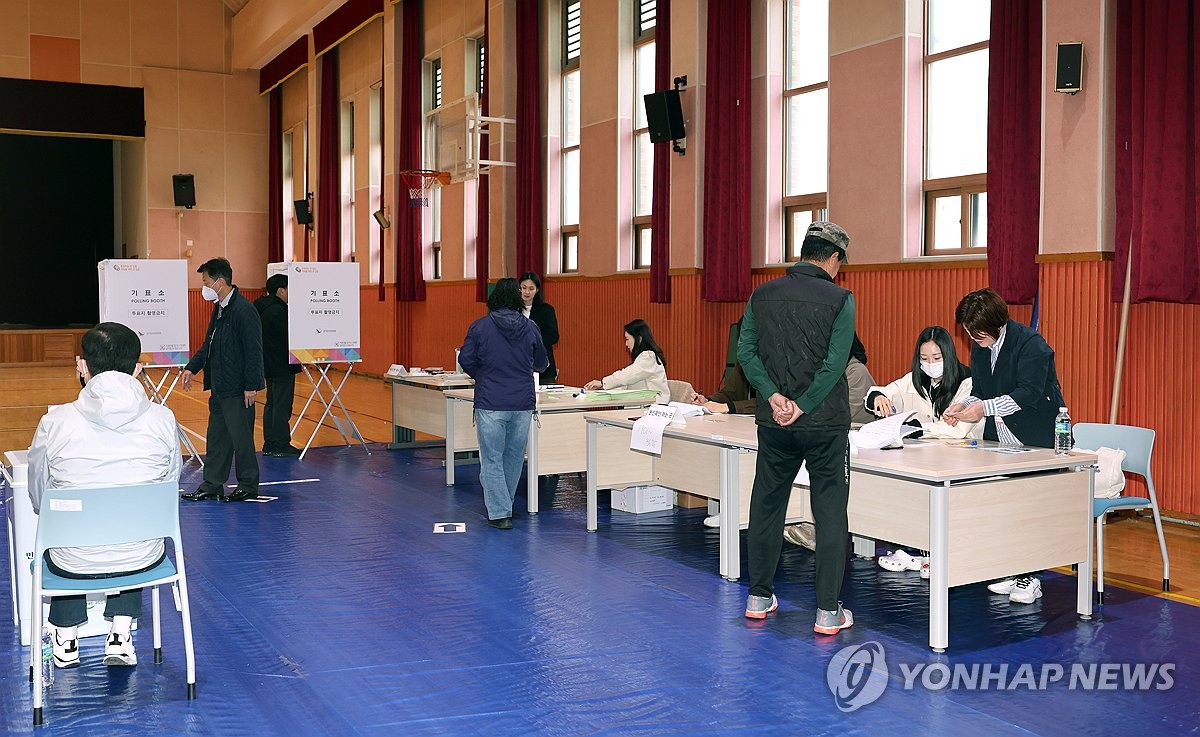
(47, 659)
(1062, 433)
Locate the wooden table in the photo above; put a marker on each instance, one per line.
(959, 503)
(556, 432)
(418, 406)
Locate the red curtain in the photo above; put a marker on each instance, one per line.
(531, 174)
(275, 177)
(660, 200)
(410, 272)
(1014, 148)
(483, 217)
(1158, 150)
(329, 175)
(727, 154)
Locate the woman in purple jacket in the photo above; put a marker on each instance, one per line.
(501, 352)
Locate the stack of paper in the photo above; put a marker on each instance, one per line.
(602, 395)
(689, 410)
(886, 433)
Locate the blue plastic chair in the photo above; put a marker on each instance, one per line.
(109, 515)
(1138, 444)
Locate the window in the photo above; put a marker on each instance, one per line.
(956, 79)
(806, 120)
(435, 68)
(480, 59)
(289, 186)
(569, 187)
(643, 150)
(375, 167)
(347, 175)
(432, 220)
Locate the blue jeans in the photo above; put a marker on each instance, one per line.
(502, 435)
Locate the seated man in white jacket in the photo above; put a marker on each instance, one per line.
(111, 435)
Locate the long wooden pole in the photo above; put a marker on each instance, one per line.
(1119, 375)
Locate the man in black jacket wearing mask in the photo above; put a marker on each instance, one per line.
(232, 360)
(281, 375)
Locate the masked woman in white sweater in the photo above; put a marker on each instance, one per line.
(648, 370)
(937, 380)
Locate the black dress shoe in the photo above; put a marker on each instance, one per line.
(503, 523)
(288, 451)
(240, 495)
(202, 494)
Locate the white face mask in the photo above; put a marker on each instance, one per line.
(209, 294)
(932, 370)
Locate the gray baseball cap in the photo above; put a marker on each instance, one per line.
(832, 233)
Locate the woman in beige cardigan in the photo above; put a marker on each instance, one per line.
(648, 369)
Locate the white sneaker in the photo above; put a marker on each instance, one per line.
(66, 652)
(119, 650)
(1004, 587)
(713, 520)
(1026, 590)
(803, 534)
(899, 561)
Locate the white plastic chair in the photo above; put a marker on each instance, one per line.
(1138, 444)
(109, 515)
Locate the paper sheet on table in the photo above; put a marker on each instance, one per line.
(802, 475)
(885, 432)
(648, 431)
(689, 410)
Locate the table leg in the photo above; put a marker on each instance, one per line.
(591, 476)
(939, 574)
(730, 492)
(1083, 580)
(449, 442)
(864, 547)
(531, 465)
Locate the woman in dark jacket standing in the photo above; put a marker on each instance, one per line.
(501, 352)
(542, 314)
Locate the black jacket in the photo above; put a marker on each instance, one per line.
(1024, 371)
(272, 311)
(542, 314)
(232, 356)
(794, 318)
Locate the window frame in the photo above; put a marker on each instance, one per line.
(815, 202)
(569, 232)
(641, 223)
(967, 187)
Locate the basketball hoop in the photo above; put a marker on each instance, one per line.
(420, 182)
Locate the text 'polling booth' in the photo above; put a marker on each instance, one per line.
(150, 297)
(323, 330)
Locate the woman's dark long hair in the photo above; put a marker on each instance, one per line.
(537, 282)
(953, 371)
(643, 340)
(505, 296)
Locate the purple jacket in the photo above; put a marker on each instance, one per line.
(501, 352)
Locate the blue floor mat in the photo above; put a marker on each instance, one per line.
(336, 610)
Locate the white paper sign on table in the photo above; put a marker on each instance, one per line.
(648, 431)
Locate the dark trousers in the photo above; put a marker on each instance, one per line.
(230, 435)
(277, 415)
(780, 453)
(71, 611)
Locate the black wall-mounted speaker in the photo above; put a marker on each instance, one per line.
(1069, 75)
(664, 116)
(185, 190)
(303, 214)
